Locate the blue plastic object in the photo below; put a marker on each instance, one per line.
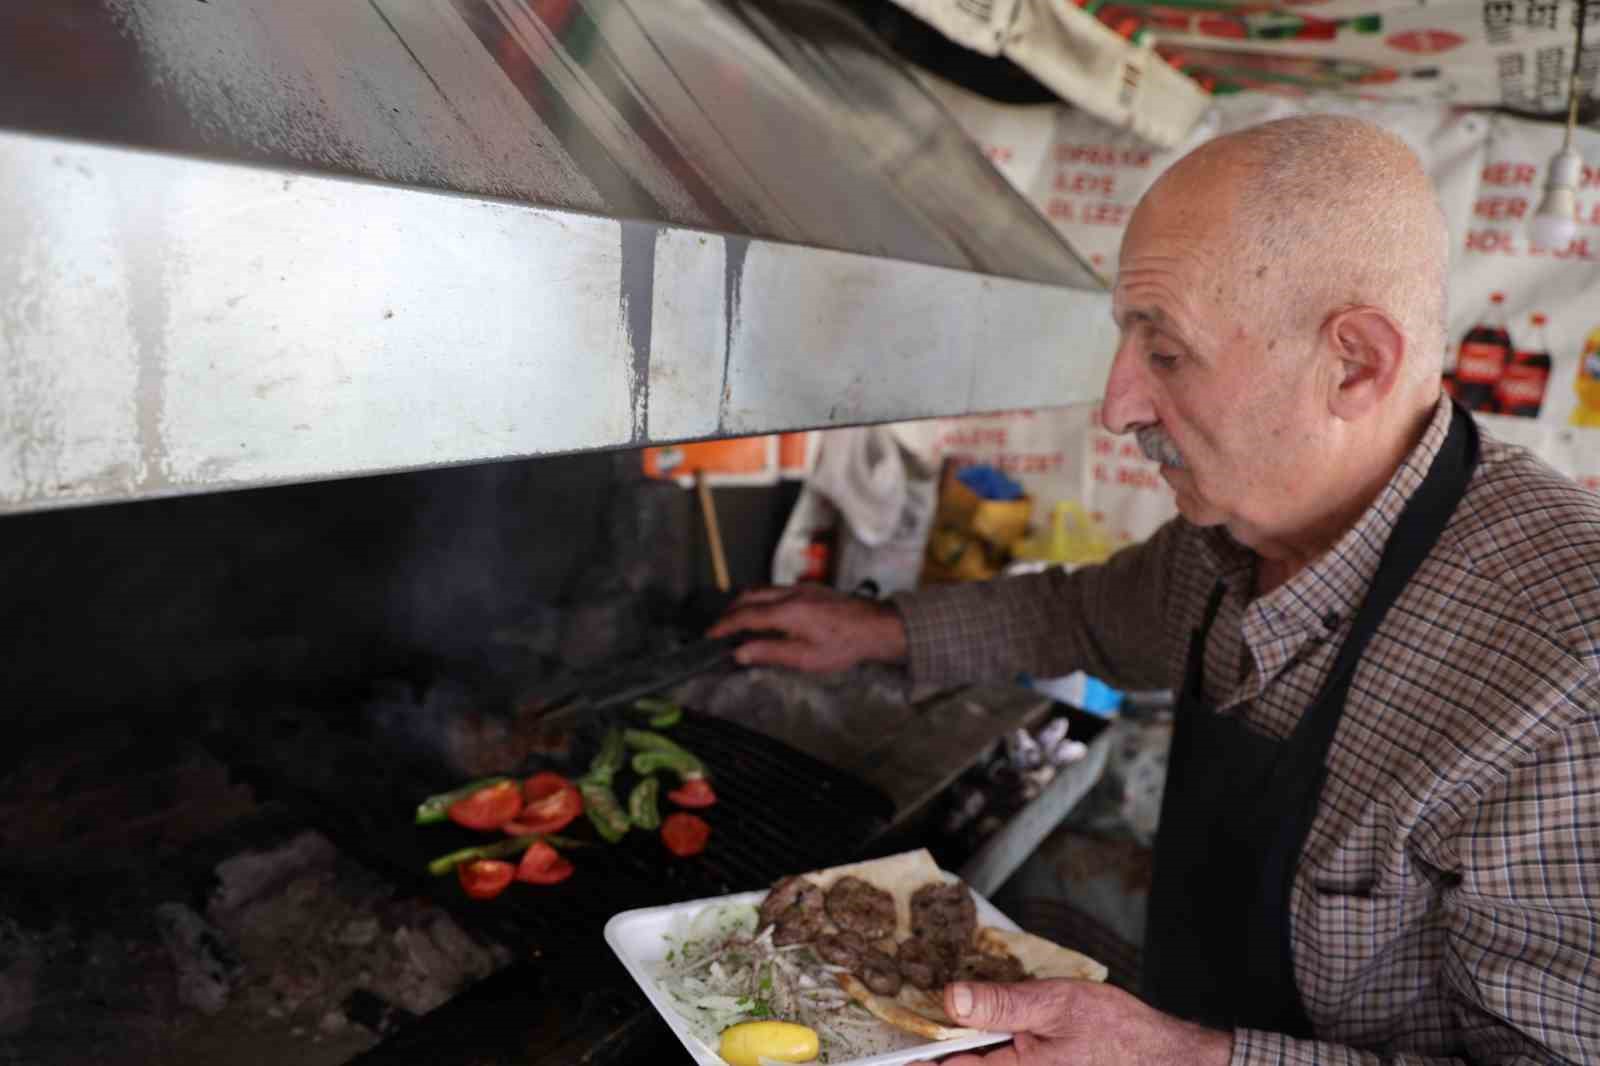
(989, 483)
(1082, 691)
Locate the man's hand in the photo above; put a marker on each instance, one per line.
(824, 630)
(1078, 1022)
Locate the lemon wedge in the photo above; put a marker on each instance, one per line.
(747, 1043)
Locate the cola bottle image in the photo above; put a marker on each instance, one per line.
(1520, 391)
(1482, 358)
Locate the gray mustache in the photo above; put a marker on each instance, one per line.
(1159, 448)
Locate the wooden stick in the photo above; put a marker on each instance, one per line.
(708, 510)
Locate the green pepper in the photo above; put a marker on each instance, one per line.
(609, 760)
(503, 849)
(644, 740)
(436, 808)
(642, 809)
(601, 805)
(664, 714)
(679, 762)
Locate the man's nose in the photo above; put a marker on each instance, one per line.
(1127, 401)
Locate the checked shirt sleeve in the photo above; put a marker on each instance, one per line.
(1110, 620)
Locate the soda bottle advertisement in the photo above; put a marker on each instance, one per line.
(1520, 392)
(1482, 359)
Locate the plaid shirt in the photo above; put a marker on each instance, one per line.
(1446, 902)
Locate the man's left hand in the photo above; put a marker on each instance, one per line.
(1076, 1022)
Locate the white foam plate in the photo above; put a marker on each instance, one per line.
(639, 939)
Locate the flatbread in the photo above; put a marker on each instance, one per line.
(899, 875)
(1041, 958)
(926, 1003)
(921, 1012)
(899, 1015)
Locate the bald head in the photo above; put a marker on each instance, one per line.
(1316, 213)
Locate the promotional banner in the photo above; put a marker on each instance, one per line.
(1528, 362)
(1516, 54)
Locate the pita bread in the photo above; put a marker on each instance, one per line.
(899, 1015)
(1041, 958)
(925, 1002)
(899, 875)
(913, 1009)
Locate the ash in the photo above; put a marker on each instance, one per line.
(297, 954)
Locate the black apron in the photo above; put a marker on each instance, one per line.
(1238, 805)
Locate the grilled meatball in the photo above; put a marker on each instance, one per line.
(977, 967)
(842, 949)
(859, 907)
(923, 963)
(944, 913)
(879, 973)
(794, 909)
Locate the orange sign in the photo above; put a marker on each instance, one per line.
(735, 461)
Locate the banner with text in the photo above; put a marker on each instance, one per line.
(1528, 361)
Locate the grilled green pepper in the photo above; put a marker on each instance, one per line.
(664, 714)
(642, 809)
(656, 752)
(500, 850)
(599, 802)
(644, 740)
(679, 762)
(601, 805)
(609, 760)
(436, 808)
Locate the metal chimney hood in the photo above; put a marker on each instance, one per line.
(247, 242)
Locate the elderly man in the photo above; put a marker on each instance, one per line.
(1380, 839)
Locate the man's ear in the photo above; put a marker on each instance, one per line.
(1370, 350)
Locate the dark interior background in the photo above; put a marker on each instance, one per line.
(135, 607)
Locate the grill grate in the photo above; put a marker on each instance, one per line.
(779, 811)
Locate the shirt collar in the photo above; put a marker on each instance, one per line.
(1327, 593)
(1323, 597)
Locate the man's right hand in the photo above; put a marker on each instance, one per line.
(824, 630)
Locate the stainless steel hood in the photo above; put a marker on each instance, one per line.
(258, 241)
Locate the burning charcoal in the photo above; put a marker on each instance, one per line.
(359, 932)
(1022, 751)
(19, 972)
(1053, 733)
(251, 875)
(374, 1014)
(205, 965)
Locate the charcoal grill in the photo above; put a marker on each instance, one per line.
(779, 811)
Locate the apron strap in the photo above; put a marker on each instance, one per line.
(1304, 759)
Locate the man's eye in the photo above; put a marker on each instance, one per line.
(1162, 361)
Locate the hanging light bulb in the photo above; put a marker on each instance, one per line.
(1555, 222)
